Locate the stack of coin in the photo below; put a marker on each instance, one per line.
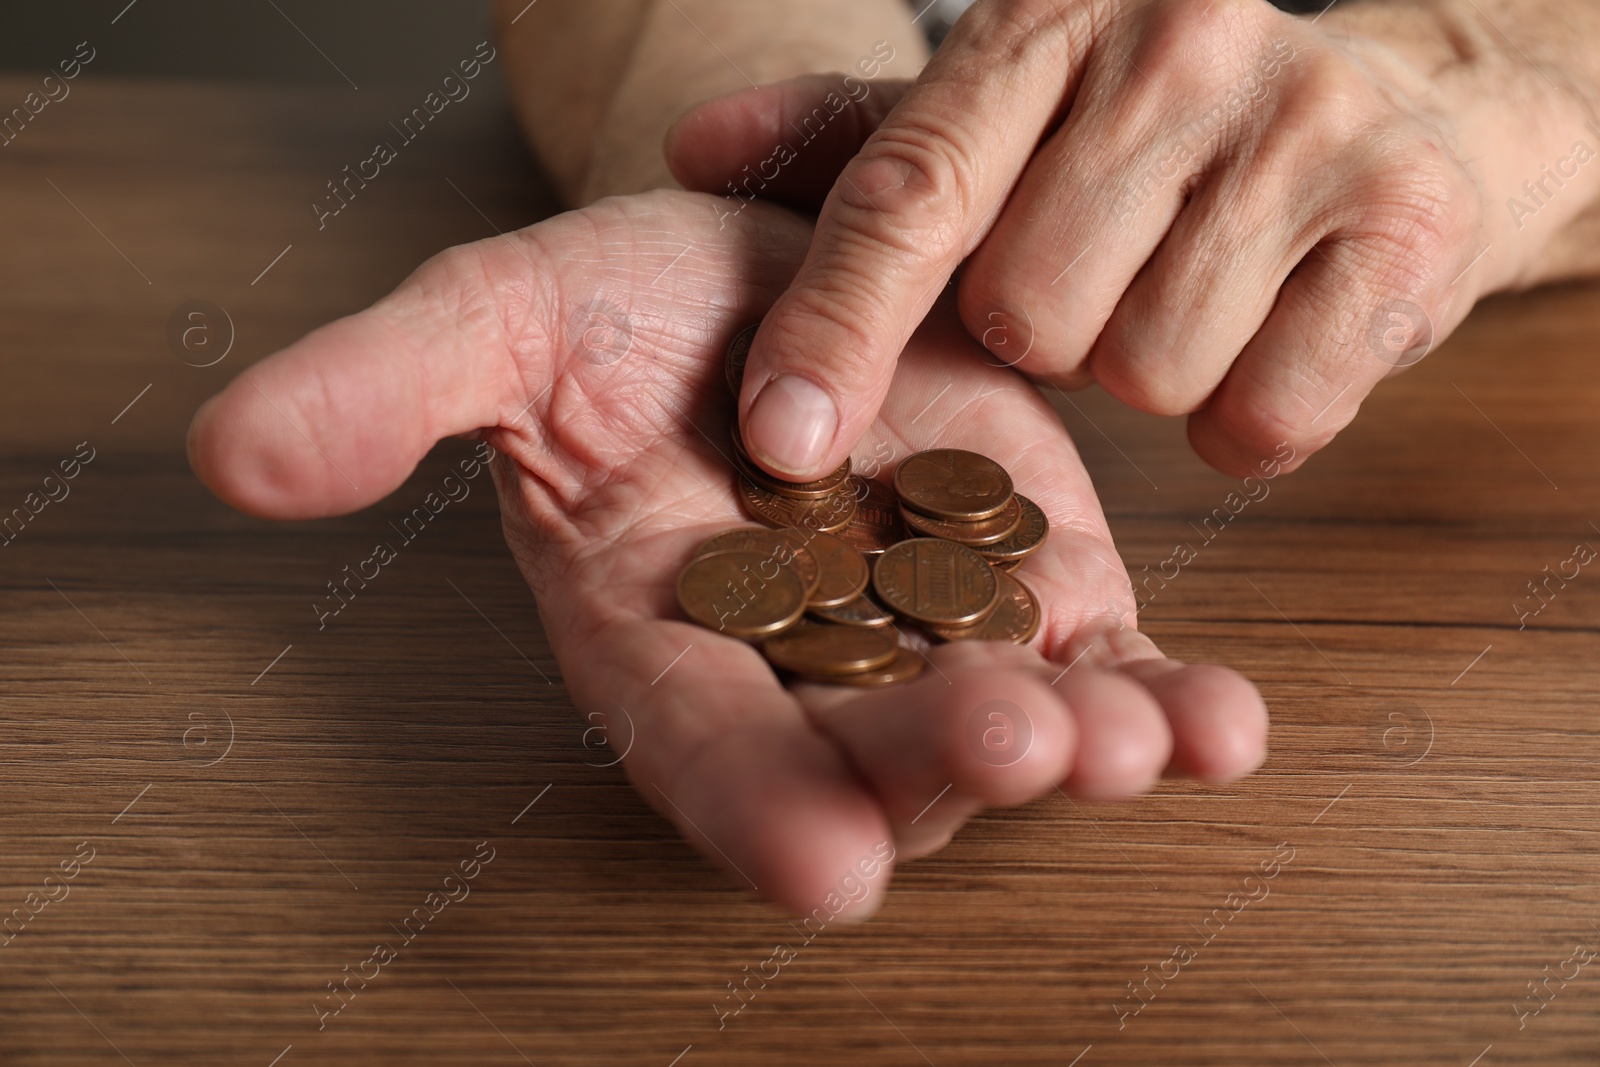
(835, 549)
(967, 498)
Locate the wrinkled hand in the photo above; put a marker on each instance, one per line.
(590, 349)
(1210, 207)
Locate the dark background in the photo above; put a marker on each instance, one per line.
(371, 41)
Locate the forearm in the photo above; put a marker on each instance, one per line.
(596, 83)
(1519, 84)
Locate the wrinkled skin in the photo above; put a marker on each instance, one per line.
(1209, 207)
(611, 472)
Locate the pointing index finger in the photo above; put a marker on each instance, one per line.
(920, 196)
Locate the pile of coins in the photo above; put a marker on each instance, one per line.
(843, 562)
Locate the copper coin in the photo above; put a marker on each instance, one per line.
(830, 514)
(1029, 535)
(813, 490)
(862, 611)
(725, 592)
(738, 352)
(781, 548)
(877, 524)
(1014, 619)
(950, 483)
(935, 581)
(972, 534)
(817, 650)
(845, 572)
(906, 666)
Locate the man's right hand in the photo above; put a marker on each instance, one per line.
(1209, 207)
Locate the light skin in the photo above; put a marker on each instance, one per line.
(608, 479)
(609, 474)
(1209, 207)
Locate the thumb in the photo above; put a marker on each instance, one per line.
(785, 142)
(340, 418)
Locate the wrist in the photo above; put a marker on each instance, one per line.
(1517, 112)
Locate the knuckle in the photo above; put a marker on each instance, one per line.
(466, 287)
(1424, 205)
(1204, 43)
(1013, 31)
(1402, 180)
(1342, 98)
(915, 180)
(484, 298)
(1416, 218)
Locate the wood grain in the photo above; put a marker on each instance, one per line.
(1431, 769)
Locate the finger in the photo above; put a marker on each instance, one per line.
(1354, 311)
(978, 729)
(1211, 730)
(337, 420)
(497, 333)
(1218, 719)
(1124, 741)
(1208, 287)
(785, 142)
(1103, 192)
(725, 754)
(904, 212)
(705, 731)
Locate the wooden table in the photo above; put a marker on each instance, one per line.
(264, 802)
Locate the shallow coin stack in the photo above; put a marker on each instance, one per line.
(822, 587)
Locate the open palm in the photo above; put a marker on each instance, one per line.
(588, 349)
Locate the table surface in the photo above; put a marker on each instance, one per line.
(258, 803)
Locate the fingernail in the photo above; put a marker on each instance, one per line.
(791, 425)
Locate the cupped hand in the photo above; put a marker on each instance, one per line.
(1210, 207)
(589, 349)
